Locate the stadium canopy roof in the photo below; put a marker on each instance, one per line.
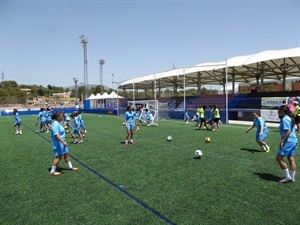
(273, 64)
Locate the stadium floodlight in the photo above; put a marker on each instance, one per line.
(84, 42)
(101, 63)
(76, 90)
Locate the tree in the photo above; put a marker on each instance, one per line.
(9, 83)
(41, 92)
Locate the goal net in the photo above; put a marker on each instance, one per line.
(146, 111)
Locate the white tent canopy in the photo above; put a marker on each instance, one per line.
(98, 96)
(273, 64)
(104, 96)
(92, 96)
(114, 95)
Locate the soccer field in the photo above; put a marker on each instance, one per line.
(154, 181)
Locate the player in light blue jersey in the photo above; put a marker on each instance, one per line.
(66, 122)
(48, 117)
(129, 122)
(76, 128)
(42, 118)
(149, 117)
(59, 144)
(261, 131)
(83, 129)
(186, 116)
(18, 122)
(288, 145)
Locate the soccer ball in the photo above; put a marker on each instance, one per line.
(169, 138)
(198, 153)
(207, 140)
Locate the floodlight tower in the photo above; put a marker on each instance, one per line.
(101, 63)
(2, 76)
(76, 90)
(84, 41)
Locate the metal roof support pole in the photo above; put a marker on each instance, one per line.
(184, 103)
(199, 83)
(226, 99)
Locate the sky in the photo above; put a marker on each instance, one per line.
(40, 44)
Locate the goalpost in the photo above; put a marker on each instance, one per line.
(146, 110)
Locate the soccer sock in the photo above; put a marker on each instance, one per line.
(264, 147)
(286, 174)
(267, 146)
(70, 164)
(53, 169)
(292, 174)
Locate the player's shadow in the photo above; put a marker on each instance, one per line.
(123, 142)
(268, 177)
(252, 150)
(59, 169)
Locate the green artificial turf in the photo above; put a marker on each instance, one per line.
(233, 183)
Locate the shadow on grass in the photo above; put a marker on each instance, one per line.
(268, 177)
(197, 157)
(252, 150)
(123, 143)
(59, 169)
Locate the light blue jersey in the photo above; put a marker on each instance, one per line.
(49, 117)
(149, 116)
(42, 116)
(77, 126)
(211, 114)
(258, 123)
(58, 148)
(186, 115)
(65, 116)
(130, 117)
(197, 117)
(291, 144)
(81, 120)
(286, 124)
(18, 120)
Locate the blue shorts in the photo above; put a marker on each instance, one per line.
(288, 149)
(17, 124)
(263, 137)
(74, 131)
(59, 149)
(129, 126)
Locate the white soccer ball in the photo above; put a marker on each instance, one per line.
(169, 138)
(198, 153)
